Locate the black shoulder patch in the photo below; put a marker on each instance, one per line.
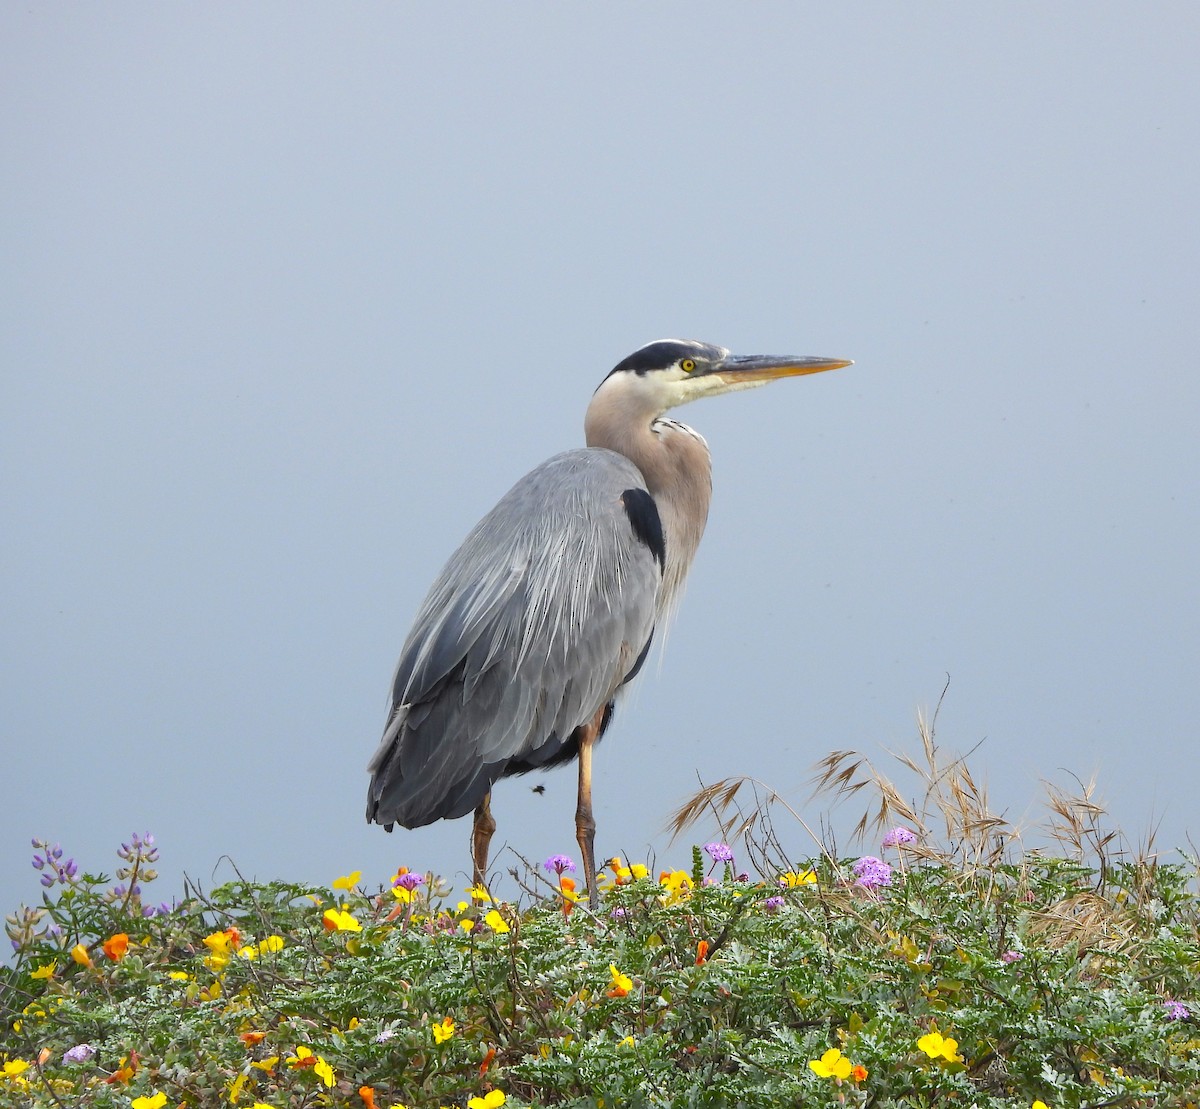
(646, 522)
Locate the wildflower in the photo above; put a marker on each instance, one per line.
(833, 1064)
(337, 920)
(157, 1101)
(14, 1067)
(1011, 957)
(937, 1046)
(559, 864)
(126, 1069)
(678, 885)
(116, 946)
(443, 1030)
(1039, 1104)
(791, 880)
(621, 984)
(899, 837)
(618, 913)
(348, 882)
(701, 952)
(479, 893)
(408, 881)
(496, 922)
(491, 1100)
(46, 970)
(858, 1073)
(1176, 1010)
(324, 1072)
(719, 852)
(80, 954)
(872, 872)
(772, 904)
(80, 1053)
(623, 874)
(367, 1093)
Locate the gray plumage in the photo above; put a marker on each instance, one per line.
(533, 624)
(548, 607)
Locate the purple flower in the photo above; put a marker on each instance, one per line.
(618, 913)
(80, 1053)
(409, 881)
(1011, 957)
(559, 864)
(772, 904)
(1176, 1010)
(872, 872)
(899, 837)
(719, 852)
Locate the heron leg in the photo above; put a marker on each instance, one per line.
(585, 824)
(481, 838)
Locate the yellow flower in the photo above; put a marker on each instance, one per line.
(443, 1030)
(271, 945)
(348, 882)
(219, 941)
(324, 1072)
(833, 1064)
(46, 970)
(478, 893)
(804, 878)
(937, 1046)
(157, 1101)
(1040, 1105)
(621, 983)
(677, 883)
(495, 921)
(300, 1059)
(490, 1100)
(80, 954)
(337, 920)
(466, 924)
(179, 975)
(15, 1067)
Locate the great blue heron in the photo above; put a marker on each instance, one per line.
(547, 609)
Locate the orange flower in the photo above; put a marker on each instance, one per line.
(701, 952)
(569, 896)
(367, 1093)
(858, 1072)
(487, 1061)
(125, 1071)
(252, 1038)
(116, 946)
(621, 983)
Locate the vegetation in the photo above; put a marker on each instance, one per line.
(951, 968)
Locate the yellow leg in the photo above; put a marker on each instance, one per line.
(481, 838)
(585, 824)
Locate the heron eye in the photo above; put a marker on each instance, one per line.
(687, 365)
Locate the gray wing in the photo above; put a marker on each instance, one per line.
(529, 630)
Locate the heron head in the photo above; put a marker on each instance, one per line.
(671, 372)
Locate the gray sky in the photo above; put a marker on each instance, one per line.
(293, 293)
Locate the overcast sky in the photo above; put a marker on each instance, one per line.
(293, 293)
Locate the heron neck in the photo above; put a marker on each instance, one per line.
(677, 468)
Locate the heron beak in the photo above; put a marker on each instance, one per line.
(746, 369)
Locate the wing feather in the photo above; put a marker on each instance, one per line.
(529, 630)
